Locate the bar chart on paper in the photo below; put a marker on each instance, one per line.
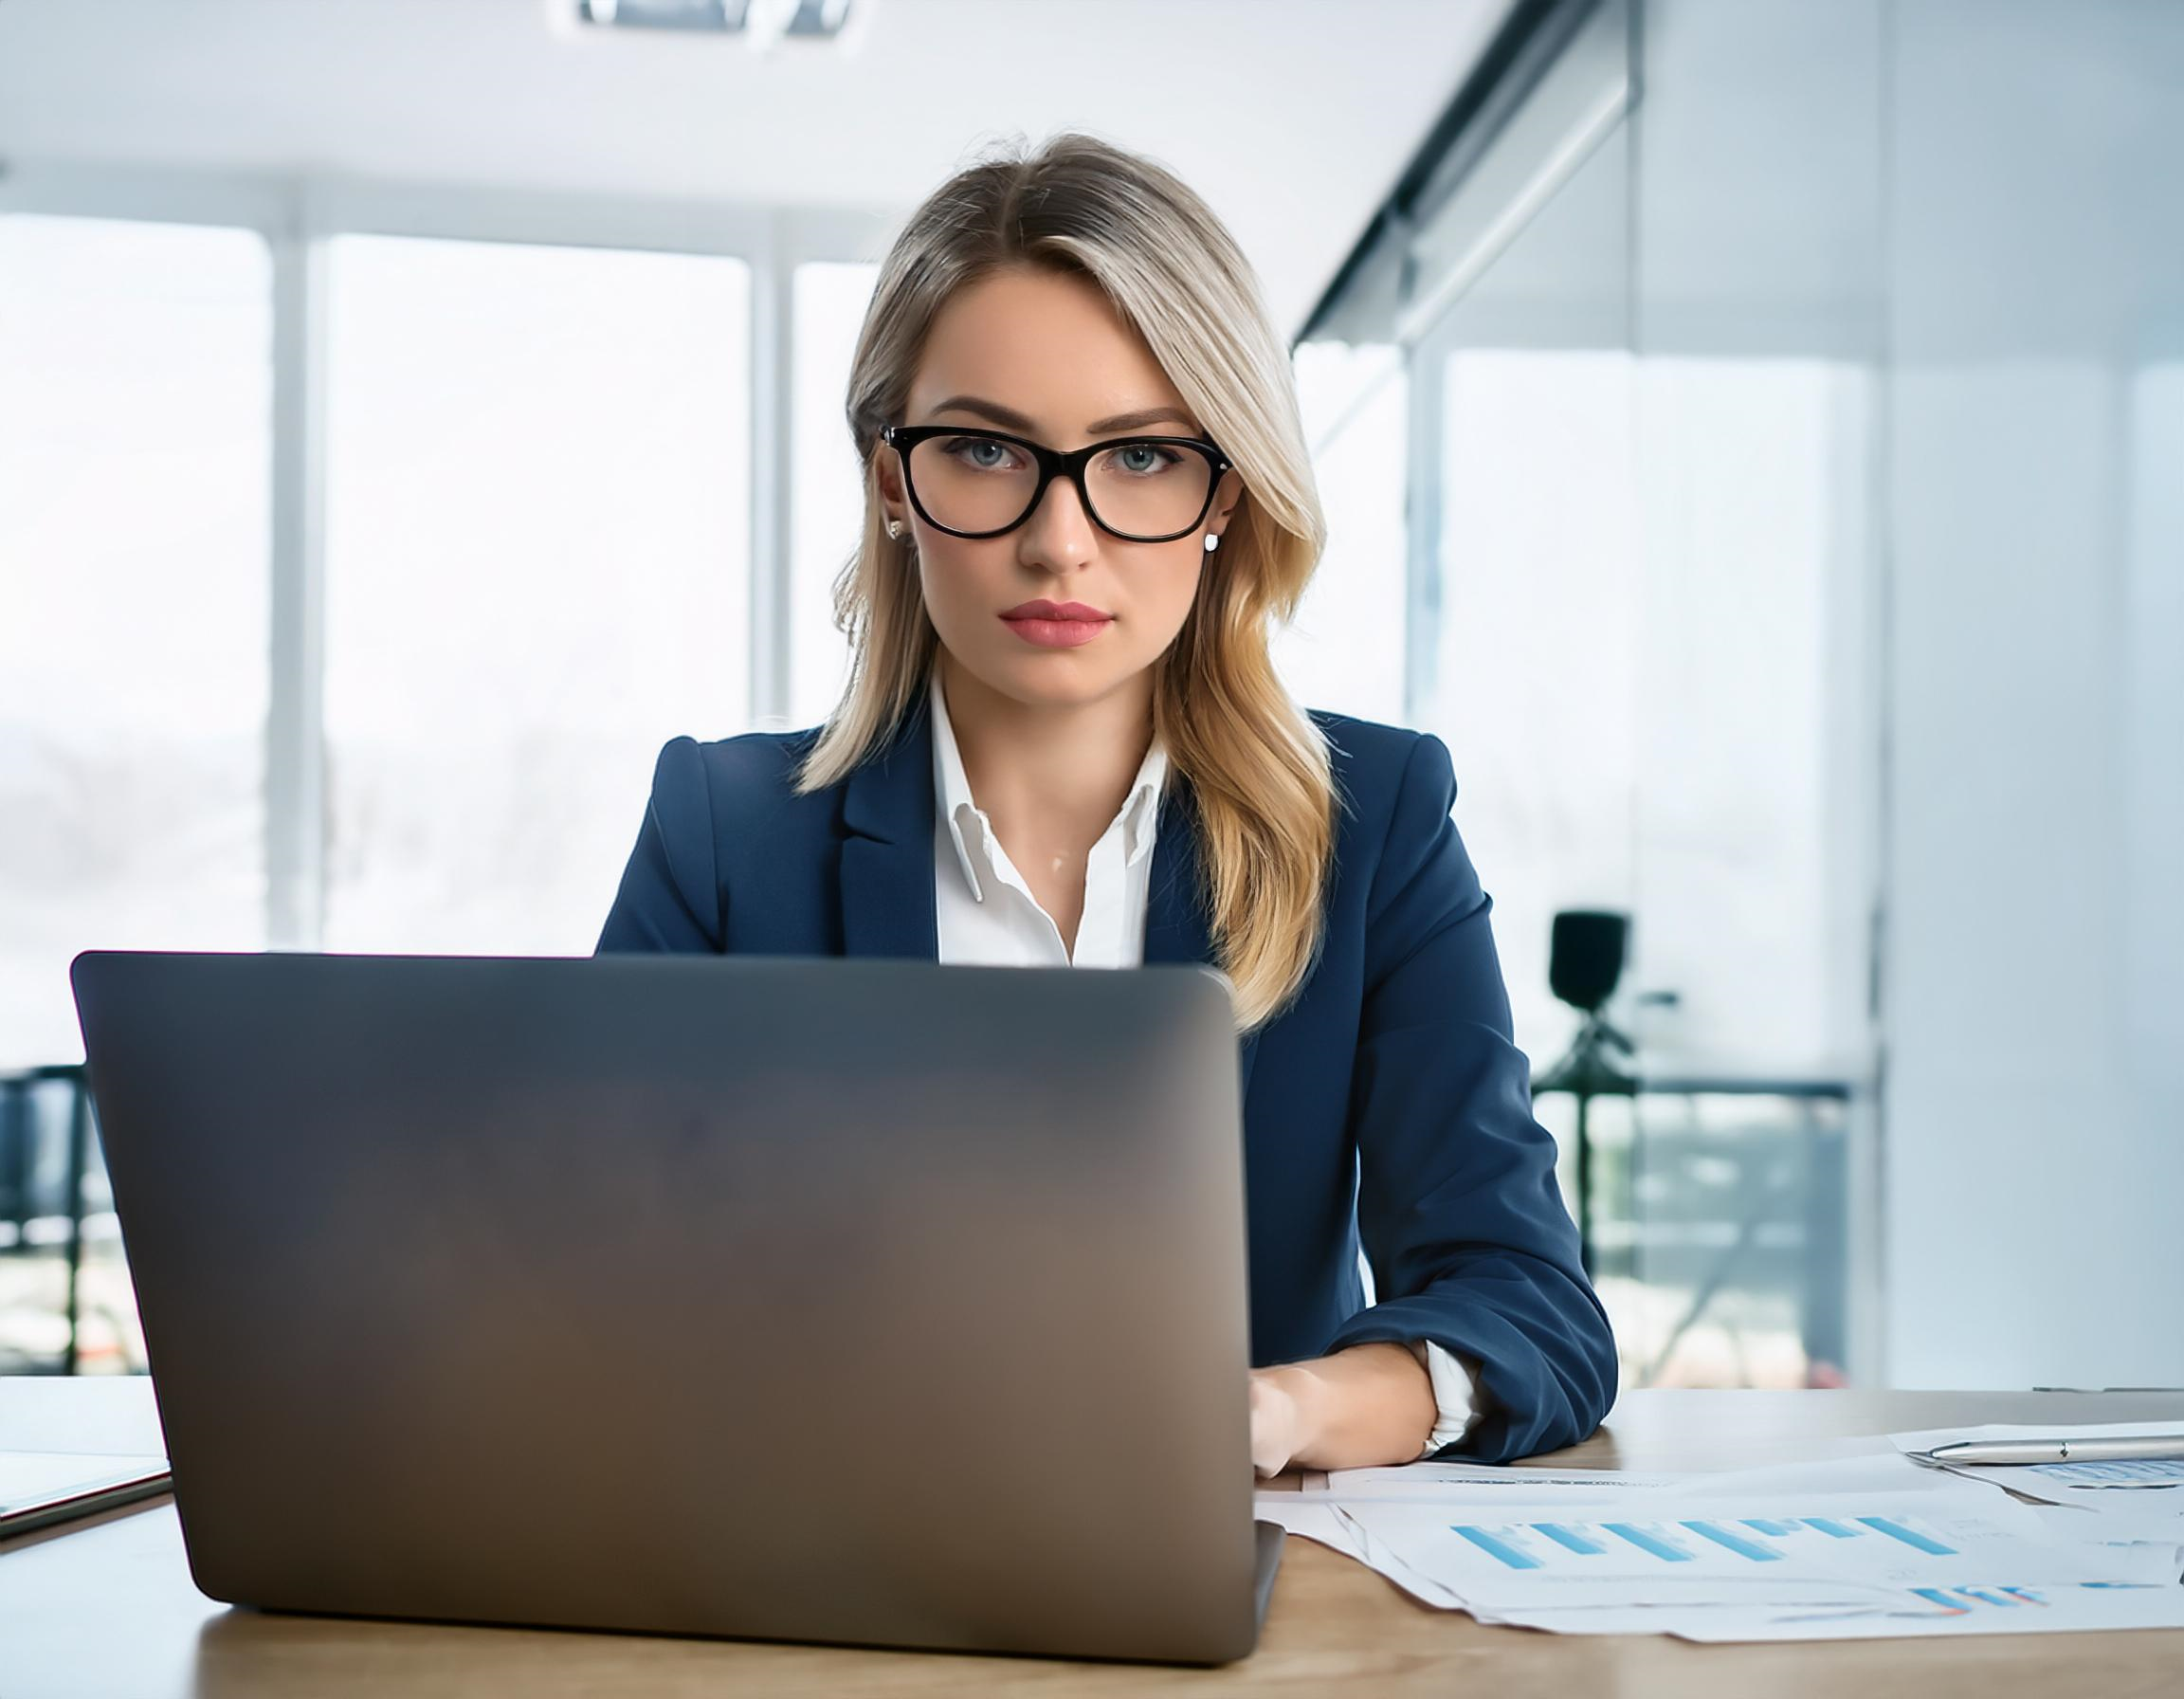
(1952, 1556)
(1960, 1601)
(1714, 1543)
(2129, 1471)
(1749, 1541)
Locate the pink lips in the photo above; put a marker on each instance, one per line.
(1057, 625)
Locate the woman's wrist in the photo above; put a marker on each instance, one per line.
(1362, 1407)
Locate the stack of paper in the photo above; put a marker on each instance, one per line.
(1858, 1547)
(2132, 1501)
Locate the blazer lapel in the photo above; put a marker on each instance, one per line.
(1176, 925)
(887, 901)
(887, 878)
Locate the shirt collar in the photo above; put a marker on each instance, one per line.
(952, 792)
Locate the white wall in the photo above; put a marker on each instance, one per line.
(2034, 1009)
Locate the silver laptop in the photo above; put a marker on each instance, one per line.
(861, 1301)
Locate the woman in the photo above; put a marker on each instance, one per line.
(1062, 741)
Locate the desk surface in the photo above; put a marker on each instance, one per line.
(107, 1607)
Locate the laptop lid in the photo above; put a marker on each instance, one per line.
(845, 1300)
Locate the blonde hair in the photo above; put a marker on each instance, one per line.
(1257, 763)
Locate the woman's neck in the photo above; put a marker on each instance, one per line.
(1055, 774)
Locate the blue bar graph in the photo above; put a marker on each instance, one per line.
(1666, 1550)
(1730, 1540)
(1563, 1547)
(1935, 1596)
(1497, 1548)
(2137, 1472)
(1911, 1537)
(2026, 1594)
(1986, 1597)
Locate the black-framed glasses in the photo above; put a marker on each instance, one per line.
(976, 482)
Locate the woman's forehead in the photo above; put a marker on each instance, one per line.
(1036, 355)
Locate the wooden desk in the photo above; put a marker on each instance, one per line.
(107, 1608)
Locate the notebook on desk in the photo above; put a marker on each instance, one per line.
(796, 1299)
(43, 1488)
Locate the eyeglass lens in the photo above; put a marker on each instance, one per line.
(970, 482)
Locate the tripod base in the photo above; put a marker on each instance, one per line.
(1585, 1072)
(1587, 1069)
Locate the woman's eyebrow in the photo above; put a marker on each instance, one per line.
(1009, 419)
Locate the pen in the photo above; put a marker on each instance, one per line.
(2107, 1449)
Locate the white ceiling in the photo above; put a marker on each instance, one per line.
(1293, 118)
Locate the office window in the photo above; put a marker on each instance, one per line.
(537, 572)
(1534, 610)
(1345, 650)
(135, 388)
(828, 504)
(1751, 707)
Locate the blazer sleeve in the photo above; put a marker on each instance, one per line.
(1458, 1205)
(670, 893)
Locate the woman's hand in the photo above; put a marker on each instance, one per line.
(1277, 1425)
(1363, 1407)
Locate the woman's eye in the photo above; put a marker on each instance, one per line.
(1143, 458)
(968, 449)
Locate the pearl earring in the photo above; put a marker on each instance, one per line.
(1212, 541)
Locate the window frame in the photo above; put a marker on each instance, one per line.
(297, 217)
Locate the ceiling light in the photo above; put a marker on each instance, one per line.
(758, 22)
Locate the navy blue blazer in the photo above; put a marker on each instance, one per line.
(1388, 1101)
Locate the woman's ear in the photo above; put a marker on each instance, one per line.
(1217, 521)
(887, 477)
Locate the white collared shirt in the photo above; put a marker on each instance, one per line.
(987, 915)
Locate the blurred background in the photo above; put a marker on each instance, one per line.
(1751, 433)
